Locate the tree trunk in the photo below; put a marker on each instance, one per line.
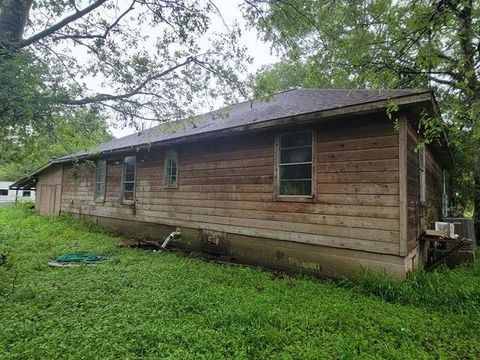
(472, 89)
(476, 213)
(13, 17)
(476, 201)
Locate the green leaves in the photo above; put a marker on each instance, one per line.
(134, 62)
(383, 44)
(164, 305)
(55, 136)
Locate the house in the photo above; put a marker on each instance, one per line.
(8, 196)
(315, 179)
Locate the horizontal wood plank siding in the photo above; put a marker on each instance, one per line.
(227, 185)
(420, 215)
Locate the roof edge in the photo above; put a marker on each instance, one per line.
(371, 106)
(376, 105)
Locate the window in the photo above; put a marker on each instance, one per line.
(171, 169)
(294, 172)
(128, 179)
(3, 192)
(444, 194)
(100, 176)
(421, 172)
(26, 193)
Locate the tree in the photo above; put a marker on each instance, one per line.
(146, 59)
(381, 44)
(80, 130)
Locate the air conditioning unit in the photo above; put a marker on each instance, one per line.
(445, 227)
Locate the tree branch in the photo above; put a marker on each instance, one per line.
(108, 97)
(59, 25)
(98, 36)
(127, 112)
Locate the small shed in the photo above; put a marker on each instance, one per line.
(9, 195)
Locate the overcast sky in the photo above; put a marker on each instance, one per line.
(257, 49)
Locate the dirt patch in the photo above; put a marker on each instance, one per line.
(140, 244)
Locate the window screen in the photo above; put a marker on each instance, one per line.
(100, 176)
(3, 192)
(26, 193)
(171, 169)
(295, 164)
(128, 186)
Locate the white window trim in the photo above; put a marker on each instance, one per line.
(444, 193)
(422, 175)
(100, 198)
(294, 198)
(124, 201)
(170, 153)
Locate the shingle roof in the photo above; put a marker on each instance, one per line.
(285, 104)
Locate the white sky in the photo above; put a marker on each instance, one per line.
(257, 49)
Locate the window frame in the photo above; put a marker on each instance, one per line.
(422, 175)
(444, 193)
(294, 198)
(1, 190)
(26, 191)
(122, 189)
(168, 154)
(102, 197)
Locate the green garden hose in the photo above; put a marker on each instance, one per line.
(80, 257)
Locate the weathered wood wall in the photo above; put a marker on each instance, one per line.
(421, 214)
(49, 191)
(226, 185)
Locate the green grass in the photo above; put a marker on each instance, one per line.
(156, 305)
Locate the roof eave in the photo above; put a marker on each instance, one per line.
(18, 185)
(367, 107)
(363, 108)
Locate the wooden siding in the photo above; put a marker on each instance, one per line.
(49, 191)
(420, 215)
(285, 255)
(227, 185)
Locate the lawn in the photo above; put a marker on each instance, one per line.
(164, 305)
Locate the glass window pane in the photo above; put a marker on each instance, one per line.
(295, 164)
(421, 159)
(130, 161)
(295, 187)
(289, 172)
(128, 196)
(171, 169)
(101, 169)
(100, 190)
(101, 172)
(296, 155)
(129, 186)
(296, 139)
(129, 165)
